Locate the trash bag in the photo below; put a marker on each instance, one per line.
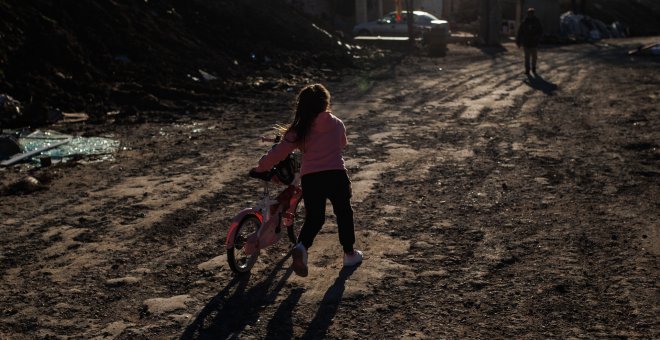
(10, 110)
(8, 147)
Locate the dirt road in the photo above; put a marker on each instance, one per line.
(488, 205)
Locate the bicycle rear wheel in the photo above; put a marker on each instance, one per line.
(298, 220)
(239, 261)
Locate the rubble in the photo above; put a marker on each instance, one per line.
(581, 27)
(648, 49)
(55, 57)
(53, 145)
(10, 109)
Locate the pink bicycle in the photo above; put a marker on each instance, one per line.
(261, 226)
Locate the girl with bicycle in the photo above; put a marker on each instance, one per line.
(320, 136)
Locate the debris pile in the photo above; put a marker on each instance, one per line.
(585, 28)
(10, 110)
(101, 56)
(44, 147)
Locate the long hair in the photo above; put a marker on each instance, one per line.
(312, 100)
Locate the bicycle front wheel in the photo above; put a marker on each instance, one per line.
(239, 261)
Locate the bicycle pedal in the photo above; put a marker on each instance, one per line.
(287, 219)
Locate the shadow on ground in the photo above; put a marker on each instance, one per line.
(328, 307)
(228, 314)
(538, 83)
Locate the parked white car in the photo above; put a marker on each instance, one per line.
(389, 26)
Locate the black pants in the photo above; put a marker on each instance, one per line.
(531, 54)
(317, 188)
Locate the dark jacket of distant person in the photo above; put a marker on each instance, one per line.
(530, 32)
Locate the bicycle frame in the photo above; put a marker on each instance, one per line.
(270, 212)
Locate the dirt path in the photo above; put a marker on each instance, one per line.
(488, 205)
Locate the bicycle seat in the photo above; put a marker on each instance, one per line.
(265, 176)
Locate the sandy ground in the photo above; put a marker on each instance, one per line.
(488, 205)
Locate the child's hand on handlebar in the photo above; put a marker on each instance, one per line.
(266, 176)
(253, 172)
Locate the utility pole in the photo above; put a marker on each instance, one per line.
(491, 22)
(519, 5)
(411, 18)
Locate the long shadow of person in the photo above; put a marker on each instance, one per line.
(537, 82)
(216, 303)
(281, 325)
(318, 328)
(226, 316)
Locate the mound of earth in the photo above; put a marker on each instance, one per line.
(641, 15)
(98, 56)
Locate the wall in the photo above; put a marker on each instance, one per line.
(432, 6)
(313, 7)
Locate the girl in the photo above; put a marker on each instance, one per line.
(320, 136)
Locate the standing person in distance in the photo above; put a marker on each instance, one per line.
(529, 36)
(320, 136)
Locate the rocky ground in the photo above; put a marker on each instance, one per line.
(488, 204)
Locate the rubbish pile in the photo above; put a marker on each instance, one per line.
(10, 109)
(648, 49)
(585, 28)
(47, 147)
(99, 56)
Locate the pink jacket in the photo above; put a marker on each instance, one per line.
(322, 149)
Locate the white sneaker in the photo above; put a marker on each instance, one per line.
(351, 259)
(299, 255)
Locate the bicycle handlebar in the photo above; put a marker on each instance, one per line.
(265, 176)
